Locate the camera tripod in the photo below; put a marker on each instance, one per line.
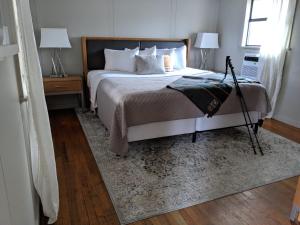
(247, 118)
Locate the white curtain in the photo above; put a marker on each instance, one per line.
(40, 139)
(275, 46)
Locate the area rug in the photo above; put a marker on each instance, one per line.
(167, 174)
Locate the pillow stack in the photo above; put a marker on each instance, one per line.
(147, 61)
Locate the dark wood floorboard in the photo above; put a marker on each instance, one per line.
(84, 199)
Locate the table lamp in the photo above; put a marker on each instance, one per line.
(206, 42)
(55, 39)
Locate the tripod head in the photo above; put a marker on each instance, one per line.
(228, 61)
(230, 66)
(227, 64)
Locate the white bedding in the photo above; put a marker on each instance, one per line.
(96, 76)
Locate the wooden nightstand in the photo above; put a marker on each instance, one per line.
(70, 85)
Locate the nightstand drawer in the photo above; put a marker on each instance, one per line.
(62, 86)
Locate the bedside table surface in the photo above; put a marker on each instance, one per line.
(68, 78)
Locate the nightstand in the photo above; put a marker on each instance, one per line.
(70, 85)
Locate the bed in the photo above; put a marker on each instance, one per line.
(134, 107)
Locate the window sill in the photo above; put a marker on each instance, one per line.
(251, 47)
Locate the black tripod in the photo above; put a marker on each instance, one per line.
(244, 107)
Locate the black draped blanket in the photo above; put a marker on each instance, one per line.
(207, 94)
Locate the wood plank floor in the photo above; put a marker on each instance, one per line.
(84, 199)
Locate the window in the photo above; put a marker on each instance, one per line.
(255, 22)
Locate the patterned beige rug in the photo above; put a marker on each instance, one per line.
(168, 174)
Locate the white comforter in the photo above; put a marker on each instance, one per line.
(96, 76)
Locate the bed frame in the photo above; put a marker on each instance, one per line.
(93, 59)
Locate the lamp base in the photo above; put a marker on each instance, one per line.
(204, 58)
(57, 67)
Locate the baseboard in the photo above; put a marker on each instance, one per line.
(287, 120)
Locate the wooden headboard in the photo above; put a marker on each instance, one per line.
(93, 48)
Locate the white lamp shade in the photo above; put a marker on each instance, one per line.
(54, 38)
(207, 40)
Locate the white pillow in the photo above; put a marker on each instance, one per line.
(148, 51)
(120, 60)
(180, 58)
(150, 64)
(166, 51)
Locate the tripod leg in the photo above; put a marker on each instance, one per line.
(253, 127)
(259, 147)
(246, 109)
(247, 125)
(244, 103)
(194, 137)
(257, 125)
(255, 130)
(248, 115)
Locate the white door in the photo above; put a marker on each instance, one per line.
(18, 202)
(4, 209)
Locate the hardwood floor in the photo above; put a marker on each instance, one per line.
(84, 199)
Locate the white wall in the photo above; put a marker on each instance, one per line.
(230, 26)
(127, 18)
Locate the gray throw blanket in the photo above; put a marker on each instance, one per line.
(207, 94)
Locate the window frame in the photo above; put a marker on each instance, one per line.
(248, 21)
